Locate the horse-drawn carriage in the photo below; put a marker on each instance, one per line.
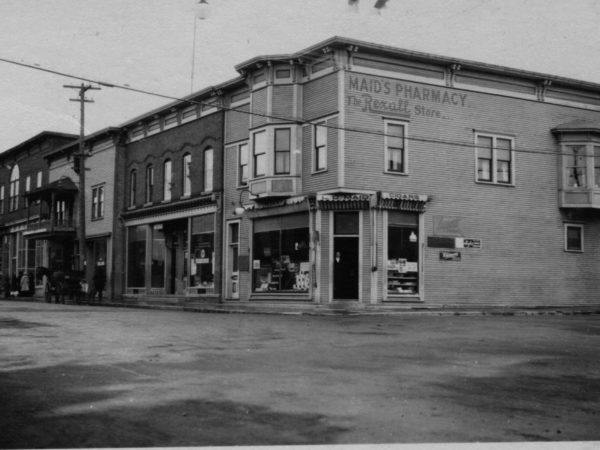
(60, 285)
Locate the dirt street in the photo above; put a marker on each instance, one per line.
(83, 376)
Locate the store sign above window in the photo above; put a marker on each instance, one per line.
(344, 201)
(402, 202)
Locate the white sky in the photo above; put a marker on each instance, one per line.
(148, 45)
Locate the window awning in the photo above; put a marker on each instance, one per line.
(380, 200)
(344, 201)
(402, 202)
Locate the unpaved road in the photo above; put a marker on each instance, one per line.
(82, 376)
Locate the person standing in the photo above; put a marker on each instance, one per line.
(98, 280)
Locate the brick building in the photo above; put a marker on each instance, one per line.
(30, 222)
(172, 183)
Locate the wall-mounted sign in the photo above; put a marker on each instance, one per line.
(443, 242)
(471, 243)
(450, 256)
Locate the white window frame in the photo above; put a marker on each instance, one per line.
(187, 177)
(208, 157)
(320, 147)
(13, 196)
(264, 153)
(39, 179)
(387, 146)
(132, 188)
(288, 151)
(98, 202)
(149, 184)
(566, 245)
(241, 181)
(167, 180)
(2, 199)
(494, 158)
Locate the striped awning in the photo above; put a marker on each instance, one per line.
(344, 201)
(402, 202)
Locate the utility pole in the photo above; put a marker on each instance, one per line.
(79, 165)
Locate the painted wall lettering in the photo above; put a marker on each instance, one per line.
(373, 95)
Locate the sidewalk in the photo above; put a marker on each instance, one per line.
(309, 308)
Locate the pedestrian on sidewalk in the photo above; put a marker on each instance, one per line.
(98, 282)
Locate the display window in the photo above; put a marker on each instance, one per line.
(157, 272)
(402, 253)
(136, 256)
(281, 254)
(202, 274)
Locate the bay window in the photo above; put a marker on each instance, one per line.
(259, 152)
(282, 151)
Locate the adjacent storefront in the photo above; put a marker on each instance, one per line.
(172, 254)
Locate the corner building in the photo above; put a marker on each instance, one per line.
(362, 176)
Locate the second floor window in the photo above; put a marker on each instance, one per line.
(208, 169)
(13, 200)
(282, 150)
(132, 187)
(187, 180)
(149, 183)
(259, 152)
(2, 199)
(60, 213)
(576, 166)
(395, 152)
(167, 183)
(494, 159)
(243, 165)
(320, 147)
(98, 201)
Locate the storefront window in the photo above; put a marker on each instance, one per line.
(203, 255)
(136, 261)
(403, 253)
(281, 254)
(158, 257)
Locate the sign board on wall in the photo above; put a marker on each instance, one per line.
(471, 243)
(450, 256)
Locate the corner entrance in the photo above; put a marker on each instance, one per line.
(346, 256)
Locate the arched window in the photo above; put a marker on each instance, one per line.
(167, 180)
(187, 180)
(13, 200)
(208, 170)
(149, 183)
(132, 187)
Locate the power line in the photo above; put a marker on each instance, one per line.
(126, 87)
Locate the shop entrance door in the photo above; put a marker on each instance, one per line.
(345, 268)
(176, 261)
(233, 270)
